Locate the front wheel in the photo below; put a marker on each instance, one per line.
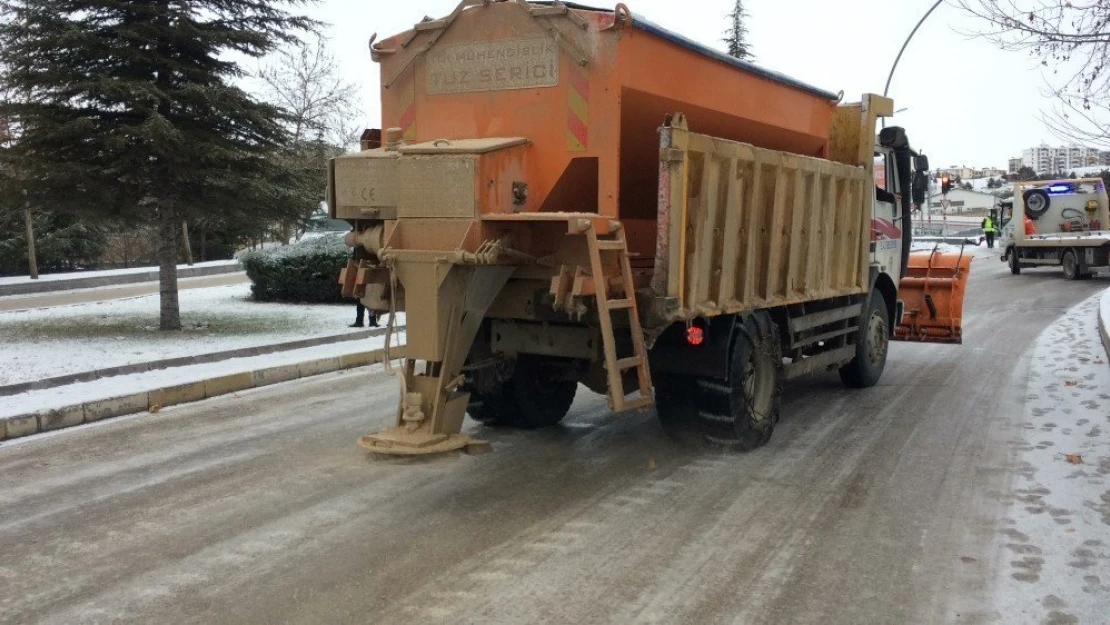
(1071, 265)
(1015, 264)
(872, 345)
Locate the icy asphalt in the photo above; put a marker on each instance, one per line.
(945, 495)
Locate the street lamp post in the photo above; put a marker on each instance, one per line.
(913, 32)
(890, 77)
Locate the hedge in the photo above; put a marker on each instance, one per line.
(304, 272)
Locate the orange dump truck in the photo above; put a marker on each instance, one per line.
(569, 195)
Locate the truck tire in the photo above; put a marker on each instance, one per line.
(675, 395)
(540, 400)
(1015, 264)
(1036, 203)
(872, 345)
(1070, 263)
(490, 409)
(530, 399)
(741, 411)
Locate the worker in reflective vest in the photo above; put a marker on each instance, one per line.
(988, 230)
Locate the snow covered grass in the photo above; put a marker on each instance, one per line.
(73, 394)
(70, 339)
(50, 277)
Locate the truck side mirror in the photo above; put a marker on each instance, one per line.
(921, 162)
(919, 187)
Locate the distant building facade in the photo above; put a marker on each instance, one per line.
(970, 173)
(964, 201)
(1045, 159)
(958, 172)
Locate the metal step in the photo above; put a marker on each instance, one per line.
(628, 363)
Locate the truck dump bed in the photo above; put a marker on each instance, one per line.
(743, 228)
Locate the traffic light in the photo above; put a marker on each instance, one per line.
(945, 184)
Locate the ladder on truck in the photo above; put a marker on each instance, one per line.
(601, 247)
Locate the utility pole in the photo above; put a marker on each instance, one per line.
(32, 259)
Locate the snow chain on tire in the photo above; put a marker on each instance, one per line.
(724, 411)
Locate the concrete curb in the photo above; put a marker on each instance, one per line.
(184, 361)
(1104, 320)
(33, 286)
(156, 399)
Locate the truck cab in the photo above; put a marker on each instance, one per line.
(1006, 223)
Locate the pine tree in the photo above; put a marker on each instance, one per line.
(736, 37)
(132, 112)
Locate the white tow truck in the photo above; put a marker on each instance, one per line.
(1070, 221)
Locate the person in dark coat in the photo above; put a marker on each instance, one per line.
(360, 310)
(361, 314)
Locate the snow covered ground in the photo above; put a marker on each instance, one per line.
(1057, 535)
(71, 339)
(975, 251)
(73, 394)
(50, 277)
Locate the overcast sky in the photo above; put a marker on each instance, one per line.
(968, 102)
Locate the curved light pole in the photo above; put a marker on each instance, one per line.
(912, 33)
(890, 77)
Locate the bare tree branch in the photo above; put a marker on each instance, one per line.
(304, 80)
(1072, 39)
(322, 115)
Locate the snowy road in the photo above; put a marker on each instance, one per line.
(892, 505)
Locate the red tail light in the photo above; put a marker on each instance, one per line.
(695, 335)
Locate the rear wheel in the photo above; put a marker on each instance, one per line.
(675, 398)
(492, 409)
(542, 397)
(1070, 262)
(872, 345)
(1015, 264)
(535, 396)
(742, 410)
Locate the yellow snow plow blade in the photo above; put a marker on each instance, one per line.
(933, 295)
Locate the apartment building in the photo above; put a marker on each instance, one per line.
(1045, 159)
